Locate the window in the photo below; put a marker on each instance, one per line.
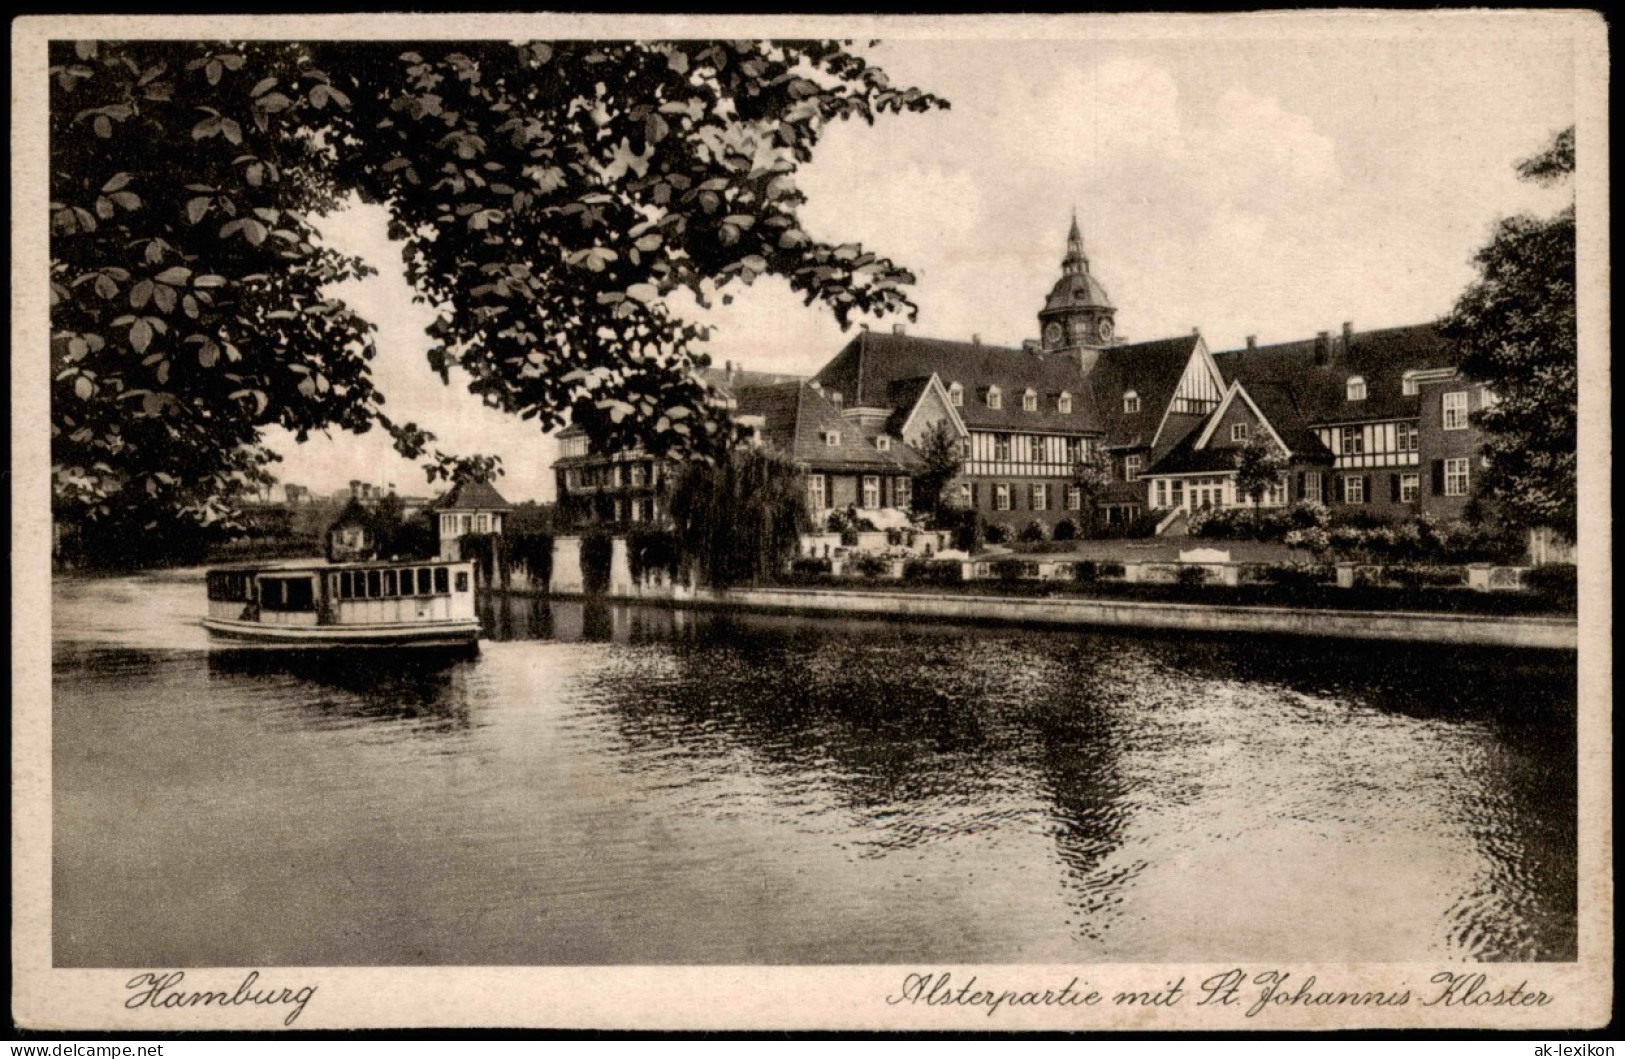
(1353, 441)
(637, 474)
(1001, 497)
(1311, 487)
(1455, 476)
(965, 498)
(1176, 492)
(815, 492)
(994, 398)
(1131, 403)
(1353, 489)
(1238, 431)
(902, 492)
(1406, 437)
(1410, 487)
(462, 580)
(1161, 490)
(832, 438)
(1029, 401)
(424, 575)
(1040, 496)
(1035, 448)
(871, 490)
(1064, 403)
(1275, 495)
(375, 584)
(390, 588)
(1356, 388)
(1001, 446)
(883, 443)
(956, 395)
(1074, 450)
(484, 521)
(1455, 410)
(1131, 467)
(1074, 498)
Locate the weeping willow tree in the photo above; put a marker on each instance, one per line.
(738, 518)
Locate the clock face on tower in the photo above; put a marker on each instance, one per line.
(1104, 329)
(1052, 333)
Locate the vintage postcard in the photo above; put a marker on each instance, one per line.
(745, 523)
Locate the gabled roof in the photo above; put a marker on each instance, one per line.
(1150, 369)
(1318, 393)
(797, 420)
(870, 365)
(472, 495)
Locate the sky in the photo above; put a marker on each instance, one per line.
(1272, 187)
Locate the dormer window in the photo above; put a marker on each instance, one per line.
(1064, 403)
(883, 443)
(1131, 403)
(1029, 401)
(1408, 385)
(1356, 388)
(1238, 431)
(832, 438)
(994, 398)
(956, 395)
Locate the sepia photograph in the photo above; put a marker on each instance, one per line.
(731, 523)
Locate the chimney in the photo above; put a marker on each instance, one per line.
(1252, 341)
(728, 369)
(817, 387)
(835, 398)
(898, 329)
(975, 340)
(1348, 337)
(1323, 348)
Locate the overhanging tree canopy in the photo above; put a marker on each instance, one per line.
(549, 197)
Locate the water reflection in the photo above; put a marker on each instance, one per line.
(423, 689)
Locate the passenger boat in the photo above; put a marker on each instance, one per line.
(359, 604)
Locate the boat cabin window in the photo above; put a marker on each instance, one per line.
(462, 580)
(387, 584)
(229, 587)
(287, 593)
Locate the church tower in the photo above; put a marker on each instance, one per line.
(1077, 313)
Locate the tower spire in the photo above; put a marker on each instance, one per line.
(1076, 262)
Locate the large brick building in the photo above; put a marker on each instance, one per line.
(1378, 420)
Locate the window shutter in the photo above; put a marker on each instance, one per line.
(1393, 488)
(1370, 497)
(1337, 487)
(976, 494)
(1301, 494)
(1438, 477)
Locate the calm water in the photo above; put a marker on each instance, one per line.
(634, 785)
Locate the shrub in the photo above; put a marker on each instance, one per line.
(811, 567)
(838, 522)
(871, 566)
(1556, 580)
(1066, 530)
(970, 533)
(1424, 576)
(933, 571)
(997, 533)
(1193, 575)
(535, 550)
(1085, 571)
(1110, 571)
(650, 550)
(1142, 525)
(1033, 531)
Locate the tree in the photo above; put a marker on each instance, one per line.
(739, 518)
(944, 457)
(1091, 478)
(1258, 469)
(548, 199)
(1516, 329)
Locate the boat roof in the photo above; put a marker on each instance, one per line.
(296, 565)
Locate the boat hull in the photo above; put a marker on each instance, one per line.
(458, 633)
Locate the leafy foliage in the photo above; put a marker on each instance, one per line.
(1092, 479)
(943, 458)
(1516, 326)
(548, 197)
(1258, 467)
